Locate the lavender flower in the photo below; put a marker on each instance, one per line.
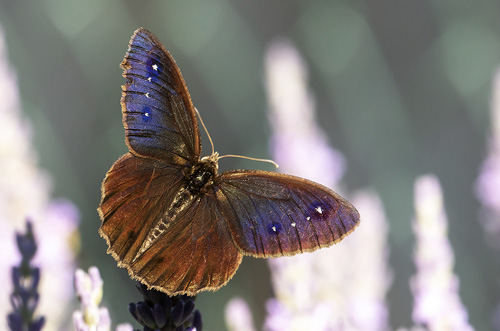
(238, 316)
(488, 182)
(338, 287)
(435, 287)
(25, 192)
(161, 312)
(89, 289)
(25, 277)
(124, 327)
(292, 118)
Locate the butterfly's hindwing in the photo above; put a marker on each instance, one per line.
(196, 253)
(271, 214)
(134, 199)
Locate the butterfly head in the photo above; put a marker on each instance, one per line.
(212, 159)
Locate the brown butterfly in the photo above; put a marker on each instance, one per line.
(171, 219)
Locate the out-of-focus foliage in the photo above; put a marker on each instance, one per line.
(402, 88)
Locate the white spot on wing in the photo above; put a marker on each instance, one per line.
(308, 218)
(155, 67)
(149, 79)
(293, 224)
(319, 210)
(146, 94)
(274, 228)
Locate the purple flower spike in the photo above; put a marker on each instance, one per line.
(488, 181)
(435, 287)
(25, 192)
(342, 287)
(158, 311)
(292, 117)
(124, 327)
(238, 316)
(25, 278)
(89, 290)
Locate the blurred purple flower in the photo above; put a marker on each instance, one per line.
(238, 316)
(89, 289)
(488, 182)
(124, 327)
(26, 278)
(435, 288)
(339, 287)
(25, 193)
(496, 318)
(298, 144)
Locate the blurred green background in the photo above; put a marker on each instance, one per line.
(402, 88)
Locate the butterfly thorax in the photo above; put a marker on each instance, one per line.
(201, 175)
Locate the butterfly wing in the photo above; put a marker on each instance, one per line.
(134, 199)
(195, 253)
(271, 214)
(158, 114)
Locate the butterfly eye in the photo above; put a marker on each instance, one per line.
(274, 228)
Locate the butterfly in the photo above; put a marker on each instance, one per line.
(169, 217)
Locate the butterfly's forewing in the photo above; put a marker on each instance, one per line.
(271, 214)
(158, 113)
(134, 199)
(196, 253)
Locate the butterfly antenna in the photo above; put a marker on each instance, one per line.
(251, 158)
(231, 155)
(204, 127)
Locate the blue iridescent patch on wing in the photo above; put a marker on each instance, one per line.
(146, 114)
(274, 228)
(318, 211)
(154, 69)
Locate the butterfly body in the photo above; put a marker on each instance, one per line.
(171, 219)
(202, 175)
